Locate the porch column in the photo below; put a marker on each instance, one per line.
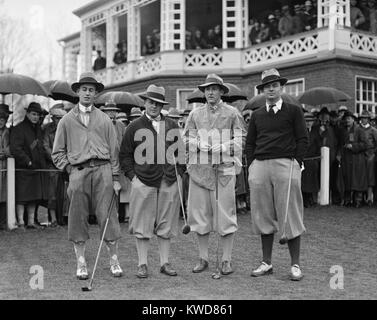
(85, 48)
(234, 23)
(173, 24)
(111, 33)
(133, 36)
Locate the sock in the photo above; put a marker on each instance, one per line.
(112, 249)
(142, 246)
(80, 253)
(267, 243)
(203, 246)
(227, 245)
(20, 214)
(164, 245)
(294, 250)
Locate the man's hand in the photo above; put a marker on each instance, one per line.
(349, 146)
(117, 187)
(216, 148)
(204, 146)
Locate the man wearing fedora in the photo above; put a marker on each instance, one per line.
(154, 199)
(86, 147)
(214, 134)
(26, 145)
(4, 154)
(135, 114)
(276, 143)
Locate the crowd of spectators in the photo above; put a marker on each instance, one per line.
(364, 15)
(152, 43)
(213, 39)
(283, 22)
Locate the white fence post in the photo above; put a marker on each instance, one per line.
(11, 196)
(324, 193)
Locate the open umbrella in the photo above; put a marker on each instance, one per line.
(234, 94)
(196, 96)
(260, 100)
(323, 95)
(20, 84)
(61, 90)
(124, 100)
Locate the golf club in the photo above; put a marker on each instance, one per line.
(89, 288)
(284, 239)
(217, 275)
(186, 228)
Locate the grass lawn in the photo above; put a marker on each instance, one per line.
(335, 236)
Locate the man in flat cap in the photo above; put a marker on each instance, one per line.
(86, 147)
(276, 143)
(214, 135)
(26, 145)
(154, 199)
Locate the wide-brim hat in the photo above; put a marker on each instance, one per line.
(57, 112)
(110, 106)
(270, 76)
(186, 112)
(324, 110)
(5, 108)
(154, 93)
(348, 113)
(309, 116)
(135, 113)
(342, 108)
(365, 114)
(174, 113)
(122, 116)
(35, 107)
(87, 78)
(213, 79)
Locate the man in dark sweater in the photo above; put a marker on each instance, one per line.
(146, 158)
(276, 143)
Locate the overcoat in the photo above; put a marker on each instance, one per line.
(4, 154)
(370, 154)
(26, 144)
(353, 161)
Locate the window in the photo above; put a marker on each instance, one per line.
(182, 103)
(294, 87)
(366, 94)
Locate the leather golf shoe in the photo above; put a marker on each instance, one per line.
(263, 270)
(116, 270)
(168, 270)
(226, 268)
(142, 271)
(82, 273)
(296, 274)
(201, 266)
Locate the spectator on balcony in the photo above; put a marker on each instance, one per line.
(264, 33)
(149, 46)
(211, 43)
(157, 39)
(357, 17)
(277, 14)
(273, 26)
(363, 5)
(120, 56)
(100, 62)
(254, 33)
(286, 22)
(218, 37)
(372, 16)
(198, 41)
(188, 40)
(26, 145)
(298, 20)
(310, 16)
(4, 154)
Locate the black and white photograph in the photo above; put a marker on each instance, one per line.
(186, 155)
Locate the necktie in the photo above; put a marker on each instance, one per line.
(271, 109)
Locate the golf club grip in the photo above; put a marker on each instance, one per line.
(179, 191)
(288, 196)
(102, 237)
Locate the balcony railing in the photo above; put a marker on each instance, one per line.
(308, 45)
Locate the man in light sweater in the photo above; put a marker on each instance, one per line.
(277, 140)
(86, 147)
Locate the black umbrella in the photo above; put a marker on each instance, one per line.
(323, 95)
(61, 90)
(20, 84)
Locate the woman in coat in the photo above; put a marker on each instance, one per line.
(26, 145)
(353, 144)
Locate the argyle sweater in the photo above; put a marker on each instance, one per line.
(280, 135)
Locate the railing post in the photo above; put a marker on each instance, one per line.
(324, 195)
(11, 194)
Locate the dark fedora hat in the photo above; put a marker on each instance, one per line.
(324, 110)
(87, 78)
(174, 113)
(270, 76)
(35, 107)
(135, 113)
(365, 114)
(213, 79)
(348, 113)
(110, 106)
(5, 108)
(155, 93)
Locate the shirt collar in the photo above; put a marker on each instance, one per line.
(215, 107)
(84, 109)
(153, 119)
(366, 126)
(277, 107)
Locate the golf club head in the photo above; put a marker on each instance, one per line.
(86, 289)
(186, 229)
(283, 240)
(216, 275)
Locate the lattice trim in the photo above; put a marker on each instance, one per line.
(206, 59)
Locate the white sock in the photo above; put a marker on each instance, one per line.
(142, 246)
